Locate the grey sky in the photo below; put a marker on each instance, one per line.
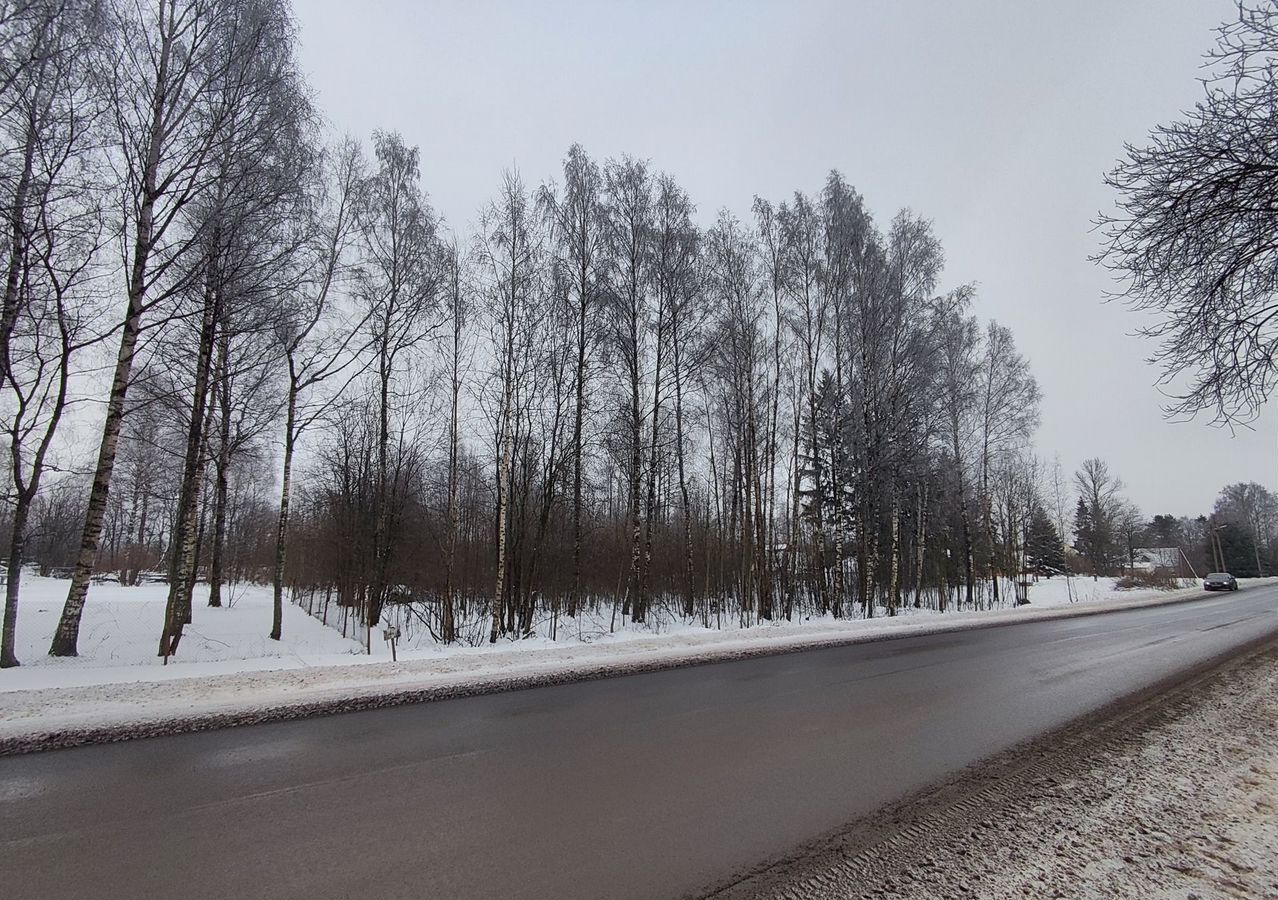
(994, 119)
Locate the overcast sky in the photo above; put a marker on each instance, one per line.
(996, 120)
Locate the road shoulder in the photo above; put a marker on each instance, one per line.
(1167, 794)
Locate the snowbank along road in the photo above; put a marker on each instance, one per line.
(654, 785)
(52, 703)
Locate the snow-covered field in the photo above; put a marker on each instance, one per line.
(121, 626)
(228, 668)
(120, 633)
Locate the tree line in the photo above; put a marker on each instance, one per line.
(595, 403)
(1240, 535)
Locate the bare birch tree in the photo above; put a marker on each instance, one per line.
(578, 231)
(319, 339)
(170, 125)
(400, 290)
(245, 245)
(510, 251)
(628, 187)
(54, 229)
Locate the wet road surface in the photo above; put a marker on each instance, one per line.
(652, 785)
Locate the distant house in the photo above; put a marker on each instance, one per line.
(1147, 559)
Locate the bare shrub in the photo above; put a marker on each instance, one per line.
(1162, 579)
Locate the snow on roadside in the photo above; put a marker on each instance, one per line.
(121, 625)
(315, 670)
(1186, 810)
(120, 632)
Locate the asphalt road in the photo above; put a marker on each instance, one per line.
(651, 785)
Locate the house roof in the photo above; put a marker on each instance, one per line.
(1158, 556)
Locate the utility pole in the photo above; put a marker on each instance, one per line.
(1218, 552)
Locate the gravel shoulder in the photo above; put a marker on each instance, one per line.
(1171, 794)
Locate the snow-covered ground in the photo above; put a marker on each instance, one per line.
(227, 669)
(120, 633)
(1186, 810)
(121, 626)
(1189, 811)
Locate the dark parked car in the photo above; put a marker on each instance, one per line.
(1220, 581)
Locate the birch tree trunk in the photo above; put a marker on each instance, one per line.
(177, 613)
(894, 577)
(634, 591)
(281, 527)
(221, 476)
(969, 573)
(66, 638)
(503, 491)
(17, 233)
(920, 545)
(685, 504)
(13, 570)
(650, 507)
(447, 618)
